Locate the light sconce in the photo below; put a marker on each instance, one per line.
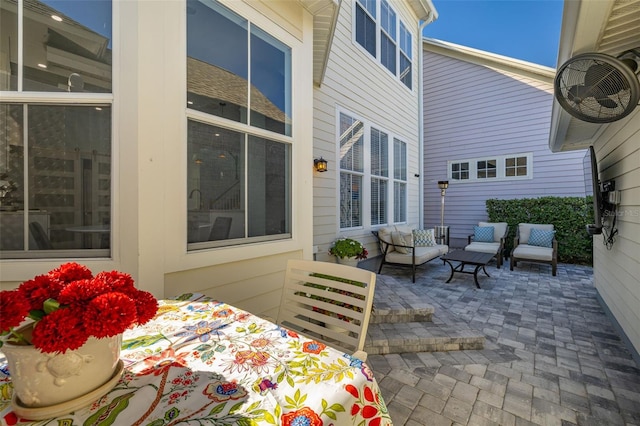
(320, 164)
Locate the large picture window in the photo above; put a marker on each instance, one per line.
(384, 36)
(55, 155)
(372, 193)
(238, 180)
(235, 70)
(502, 167)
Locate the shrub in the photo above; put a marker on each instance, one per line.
(569, 216)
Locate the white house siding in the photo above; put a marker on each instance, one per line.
(149, 231)
(617, 271)
(479, 105)
(356, 83)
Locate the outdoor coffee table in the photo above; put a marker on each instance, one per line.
(474, 258)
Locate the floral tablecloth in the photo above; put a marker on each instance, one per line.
(204, 362)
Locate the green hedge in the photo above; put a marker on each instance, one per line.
(569, 216)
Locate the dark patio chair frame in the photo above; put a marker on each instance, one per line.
(554, 256)
(385, 244)
(499, 256)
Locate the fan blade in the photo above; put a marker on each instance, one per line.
(606, 78)
(607, 102)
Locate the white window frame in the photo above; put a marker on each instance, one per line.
(27, 98)
(247, 129)
(500, 168)
(396, 38)
(365, 191)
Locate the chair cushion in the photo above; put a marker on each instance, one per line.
(541, 237)
(499, 229)
(483, 234)
(424, 238)
(525, 251)
(524, 229)
(423, 254)
(483, 247)
(385, 235)
(402, 239)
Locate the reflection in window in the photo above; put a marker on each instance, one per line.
(387, 36)
(486, 169)
(516, 166)
(460, 171)
(66, 46)
(366, 25)
(228, 202)
(379, 176)
(351, 168)
(218, 69)
(66, 190)
(400, 183)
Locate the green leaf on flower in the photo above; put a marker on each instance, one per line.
(337, 407)
(235, 407)
(142, 341)
(240, 330)
(331, 415)
(217, 409)
(203, 347)
(157, 422)
(290, 381)
(106, 416)
(36, 314)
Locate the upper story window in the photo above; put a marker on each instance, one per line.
(380, 32)
(376, 190)
(236, 70)
(238, 81)
(56, 150)
(512, 166)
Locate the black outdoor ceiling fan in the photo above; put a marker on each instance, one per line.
(599, 88)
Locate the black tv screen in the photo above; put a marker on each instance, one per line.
(592, 187)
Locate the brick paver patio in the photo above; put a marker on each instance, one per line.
(551, 355)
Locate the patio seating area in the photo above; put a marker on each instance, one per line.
(539, 349)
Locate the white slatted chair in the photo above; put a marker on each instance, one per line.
(317, 298)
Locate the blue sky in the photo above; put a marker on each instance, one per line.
(523, 29)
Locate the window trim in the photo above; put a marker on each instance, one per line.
(396, 39)
(366, 174)
(500, 168)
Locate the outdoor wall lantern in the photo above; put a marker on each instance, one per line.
(320, 164)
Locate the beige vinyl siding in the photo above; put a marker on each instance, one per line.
(357, 83)
(255, 287)
(617, 271)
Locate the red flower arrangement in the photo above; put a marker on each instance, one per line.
(69, 305)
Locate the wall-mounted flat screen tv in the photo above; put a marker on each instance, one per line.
(592, 187)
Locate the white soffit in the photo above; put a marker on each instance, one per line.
(609, 27)
(325, 14)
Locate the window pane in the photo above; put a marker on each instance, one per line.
(388, 53)
(370, 5)
(351, 143)
(268, 176)
(379, 153)
(9, 45)
(68, 180)
(350, 200)
(388, 19)
(365, 30)
(378, 201)
(399, 159)
(399, 202)
(270, 83)
(215, 183)
(405, 41)
(405, 71)
(217, 60)
(486, 169)
(67, 46)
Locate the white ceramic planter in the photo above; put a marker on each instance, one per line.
(42, 380)
(351, 261)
